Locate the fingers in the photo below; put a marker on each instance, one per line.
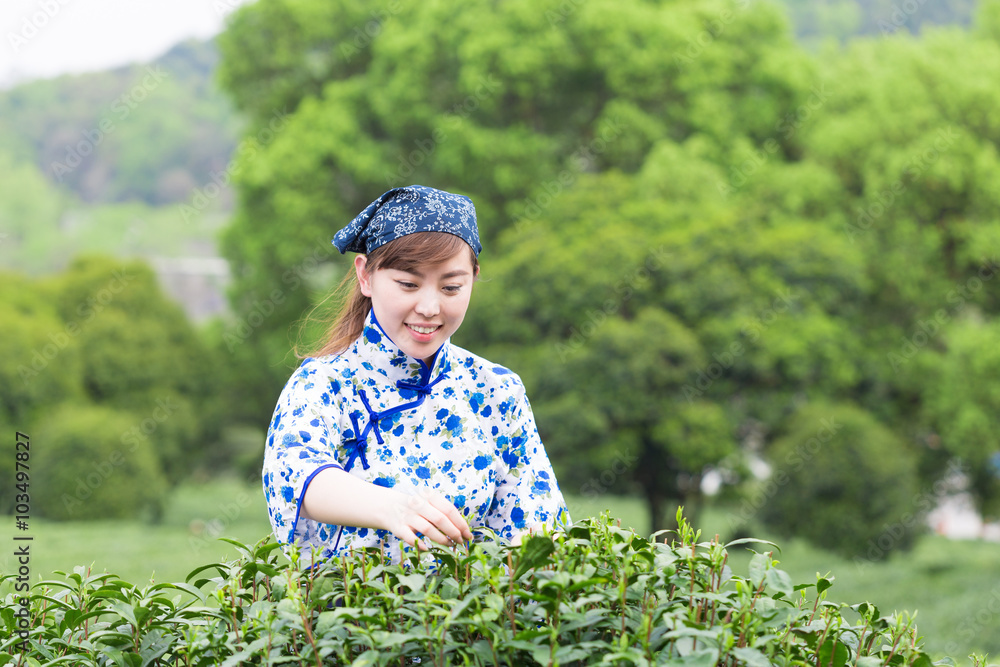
(434, 517)
(411, 539)
(443, 518)
(432, 532)
(453, 519)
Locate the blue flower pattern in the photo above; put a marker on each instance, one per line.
(463, 428)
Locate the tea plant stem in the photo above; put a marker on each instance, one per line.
(822, 639)
(294, 645)
(493, 650)
(833, 652)
(815, 607)
(624, 587)
(871, 642)
(647, 614)
(691, 566)
(718, 585)
(307, 628)
(343, 571)
(861, 638)
(554, 629)
(45, 608)
(86, 623)
(427, 632)
(785, 637)
(510, 609)
(892, 652)
(232, 613)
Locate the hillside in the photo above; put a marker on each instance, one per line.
(147, 132)
(102, 162)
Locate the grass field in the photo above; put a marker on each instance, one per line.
(954, 586)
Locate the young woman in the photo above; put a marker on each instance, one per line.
(390, 434)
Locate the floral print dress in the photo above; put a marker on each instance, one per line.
(463, 428)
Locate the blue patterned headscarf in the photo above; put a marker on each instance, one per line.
(402, 211)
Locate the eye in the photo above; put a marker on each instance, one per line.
(405, 284)
(453, 289)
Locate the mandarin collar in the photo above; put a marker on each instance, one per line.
(380, 355)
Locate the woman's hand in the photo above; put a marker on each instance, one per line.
(337, 497)
(430, 514)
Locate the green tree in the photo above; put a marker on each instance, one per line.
(85, 469)
(988, 20)
(539, 94)
(631, 376)
(101, 343)
(905, 136)
(140, 354)
(654, 340)
(30, 211)
(963, 403)
(40, 361)
(905, 179)
(810, 217)
(845, 482)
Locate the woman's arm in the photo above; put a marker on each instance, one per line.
(336, 496)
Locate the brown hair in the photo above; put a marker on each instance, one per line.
(407, 253)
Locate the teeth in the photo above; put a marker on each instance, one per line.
(423, 330)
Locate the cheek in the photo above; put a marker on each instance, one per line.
(392, 307)
(459, 309)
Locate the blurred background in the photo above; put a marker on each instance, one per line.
(744, 255)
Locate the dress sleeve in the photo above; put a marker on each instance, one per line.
(298, 446)
(527, 493)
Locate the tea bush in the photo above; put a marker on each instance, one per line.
(592, 594)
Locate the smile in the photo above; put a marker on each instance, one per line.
(424, 330)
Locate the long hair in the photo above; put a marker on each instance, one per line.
(407, 253)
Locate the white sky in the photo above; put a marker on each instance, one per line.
(45, 38)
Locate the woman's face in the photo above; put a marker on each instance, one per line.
(419, 310)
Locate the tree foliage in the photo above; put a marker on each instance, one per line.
(692, 226)
(114, 375)
(88, 470)
(845, 482)
(963, 402)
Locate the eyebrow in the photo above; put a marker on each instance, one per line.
(450, 274)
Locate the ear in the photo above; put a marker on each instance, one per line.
(364, 278)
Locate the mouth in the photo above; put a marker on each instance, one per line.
(424, 330)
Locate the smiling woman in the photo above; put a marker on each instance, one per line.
(420, 308)
(405, 257)
(388, 435)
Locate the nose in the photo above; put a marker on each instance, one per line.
(427, 303)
